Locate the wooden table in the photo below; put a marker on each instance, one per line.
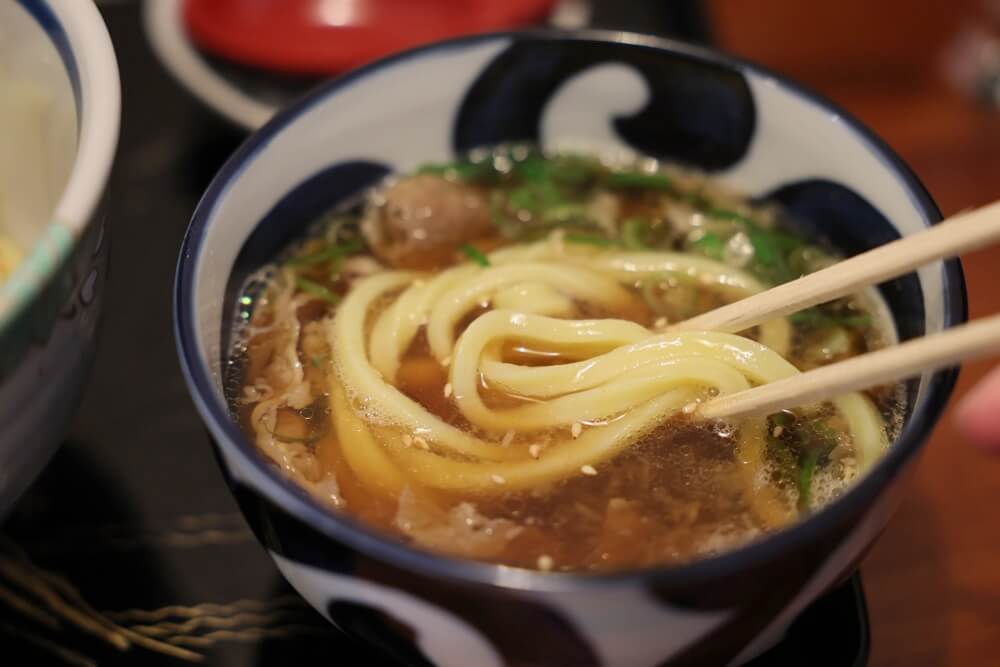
(933, 579)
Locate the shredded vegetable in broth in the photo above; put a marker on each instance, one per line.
(478, 360)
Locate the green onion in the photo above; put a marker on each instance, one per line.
(533, 168)
(522, 198)
(330, 253)
(710, 245)
(317, 362)
(573, 171)
(695, 198)
(815, 317)
(465, 172)
(809, 459)
(635, 179)
(535, 197)
(727, 214)
(475, 254)
(317, 290)
(780, 419)
(632, 230)
(434, 169)
(807, 468)
(770, 247)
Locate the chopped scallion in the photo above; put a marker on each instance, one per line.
(475, 254)
(329, 253)
(710, 245)
(315, 289)
(632, 234)
(815, 317)
(465, 172)
(807, 469)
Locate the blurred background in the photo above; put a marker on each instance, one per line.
(925, 76)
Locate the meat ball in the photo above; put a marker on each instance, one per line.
(424, 220)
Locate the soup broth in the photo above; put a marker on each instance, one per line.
(477, 360)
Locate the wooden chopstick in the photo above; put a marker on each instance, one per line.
(968, 341)
(960, 233)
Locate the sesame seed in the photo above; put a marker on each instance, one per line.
(778, 430)
(447, 390)
(588, 470)
(407, 440)
(418, 283)
(535, 451)
(617, 503)
(508, 438)
(660, 323)
(497, 479)
(446, 361)
(420, 443)
(690, 407)
(576, 429)
(545, 563)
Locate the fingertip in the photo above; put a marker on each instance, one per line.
(977, 415)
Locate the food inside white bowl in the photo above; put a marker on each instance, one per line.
(59, 121)
(38, 132)
(522, 399)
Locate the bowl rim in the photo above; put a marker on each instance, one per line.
(344, 529)
(163, 23)
(81, 38)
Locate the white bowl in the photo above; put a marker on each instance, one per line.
(60, 107)
(163, 21)
(614, 92)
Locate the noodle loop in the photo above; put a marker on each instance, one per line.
(615, 375)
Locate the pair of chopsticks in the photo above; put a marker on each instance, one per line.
(961, 233)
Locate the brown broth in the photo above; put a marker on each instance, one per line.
(677, 495)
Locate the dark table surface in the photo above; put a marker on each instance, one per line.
(133, 511)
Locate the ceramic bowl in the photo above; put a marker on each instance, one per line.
(611, 92)
(59, 111)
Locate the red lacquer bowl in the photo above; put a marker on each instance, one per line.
(326, 36)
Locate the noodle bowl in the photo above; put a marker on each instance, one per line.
(554, 360)
(663, 552)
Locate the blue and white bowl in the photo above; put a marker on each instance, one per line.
(59, 118)
(609, 92)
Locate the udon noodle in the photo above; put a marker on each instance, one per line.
(548, 380)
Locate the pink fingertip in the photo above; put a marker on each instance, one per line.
(978, 414)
